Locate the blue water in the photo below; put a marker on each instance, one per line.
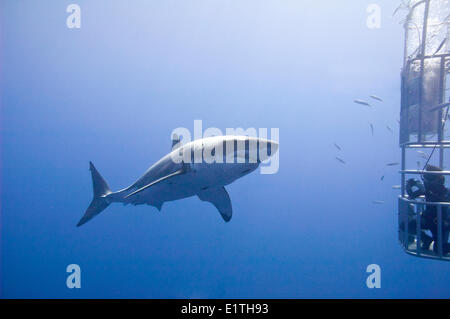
(113, 91)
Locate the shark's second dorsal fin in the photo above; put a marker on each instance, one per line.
(176, 142)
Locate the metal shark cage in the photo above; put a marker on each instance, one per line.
(424, 112)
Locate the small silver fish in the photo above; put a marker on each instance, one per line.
(396, 186)
(361, 102)
(340, 160)
(338, 147)
(382, 177)
(389, 129)
(392, 164)
(376, 98)
(371, 128)
(378, 202)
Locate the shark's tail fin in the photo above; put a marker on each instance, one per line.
(99, 203)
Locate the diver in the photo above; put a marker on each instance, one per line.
(433, 187)
(426, 240)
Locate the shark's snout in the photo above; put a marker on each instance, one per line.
(267, 148)
(272, 147)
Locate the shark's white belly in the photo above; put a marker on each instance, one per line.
(199, 178)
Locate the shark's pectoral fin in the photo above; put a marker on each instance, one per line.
(219, 197)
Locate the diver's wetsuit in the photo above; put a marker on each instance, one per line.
(412, 230)
(435, 191)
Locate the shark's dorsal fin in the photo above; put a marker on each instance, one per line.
(218, 196)
(176, 142)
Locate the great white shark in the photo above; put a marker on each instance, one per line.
(199, 168)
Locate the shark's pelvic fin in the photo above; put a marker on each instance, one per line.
(158, 205)
(218, 196)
